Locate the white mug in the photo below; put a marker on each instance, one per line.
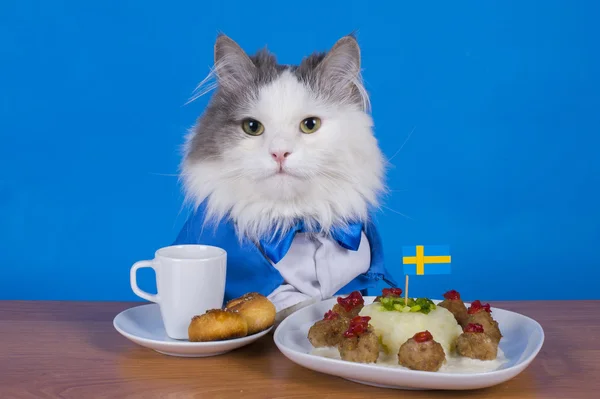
(190, 279)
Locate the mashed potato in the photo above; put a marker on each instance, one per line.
(395, 328)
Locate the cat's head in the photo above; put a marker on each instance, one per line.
(279, 143)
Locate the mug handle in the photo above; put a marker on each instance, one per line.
(133, 278)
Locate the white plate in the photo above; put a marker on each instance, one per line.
(143, 325)
(523, 339)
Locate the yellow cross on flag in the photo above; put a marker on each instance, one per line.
(430, 259)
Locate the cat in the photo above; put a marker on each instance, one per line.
(284, 173)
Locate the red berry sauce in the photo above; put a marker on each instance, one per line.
(452, 295)
(330, 315)
(477, 306)
(351, 301)
(423, 336)
(474, 328)
(358, 325)
(391, 292)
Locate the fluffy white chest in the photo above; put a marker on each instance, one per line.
(316, 267)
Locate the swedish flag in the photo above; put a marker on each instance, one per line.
(430, 259)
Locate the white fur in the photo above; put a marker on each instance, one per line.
(332, 176)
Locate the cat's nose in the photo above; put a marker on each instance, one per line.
(280, 156)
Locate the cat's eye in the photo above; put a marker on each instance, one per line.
(252, 127)
(310, 125)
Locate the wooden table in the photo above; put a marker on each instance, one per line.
(71, 350)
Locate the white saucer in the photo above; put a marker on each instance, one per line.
(143, 325)
(522, 341)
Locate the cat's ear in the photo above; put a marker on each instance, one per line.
(233, 67)
(341, 65)
(339, 73)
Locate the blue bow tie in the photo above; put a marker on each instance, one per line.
(348, 237)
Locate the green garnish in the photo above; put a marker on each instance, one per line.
(423, 305)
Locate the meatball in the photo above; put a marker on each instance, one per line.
(422, 353)
(490, 326)
(481, 314)
(359, 343)
(352, 312)
(389, 292)
(350, 306)
(328, 332)
(363, 348)
(474, 343)
(456, 306)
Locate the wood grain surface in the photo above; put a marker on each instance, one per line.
(71, 350)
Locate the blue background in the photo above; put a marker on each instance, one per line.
(502, 99)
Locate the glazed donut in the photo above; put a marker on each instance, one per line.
(217, 325)
(257, 309)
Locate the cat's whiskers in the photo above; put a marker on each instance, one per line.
(165, 174)
(389, 161)
(208, 84)
(335, 176)
(397, 212)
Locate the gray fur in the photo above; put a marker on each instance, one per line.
(334, 76)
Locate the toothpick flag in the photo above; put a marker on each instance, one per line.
(430, 259)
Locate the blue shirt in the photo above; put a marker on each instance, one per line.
(248, 270)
